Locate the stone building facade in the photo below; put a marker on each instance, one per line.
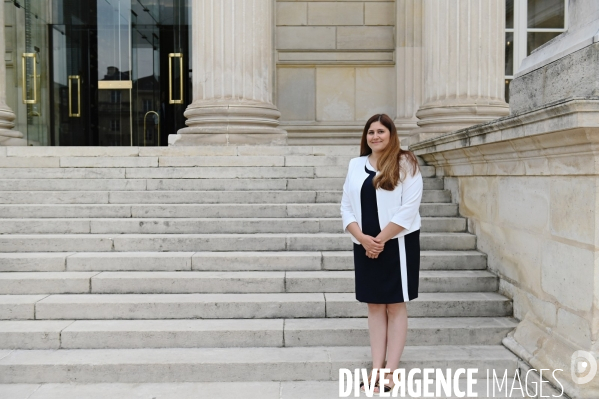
(236, 72)
(260, 71)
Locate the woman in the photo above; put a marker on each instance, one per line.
(380, 209)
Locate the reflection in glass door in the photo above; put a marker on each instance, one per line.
(114, 72)
(161, 69)
(73, 120)
(146, 76)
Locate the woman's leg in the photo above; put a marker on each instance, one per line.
(377, 329)
(397, 331)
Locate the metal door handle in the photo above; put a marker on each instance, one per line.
(24, 57)
(155, 113)
(78, 79)
(171, 100)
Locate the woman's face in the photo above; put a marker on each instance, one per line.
(377, 136)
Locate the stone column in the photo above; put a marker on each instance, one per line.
(233, 73)
(408, 64)
(464, 65)
(7, 116)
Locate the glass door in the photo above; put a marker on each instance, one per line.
(91, 71)
(161, 68)
(176, 61)
(120, 71)
(27, 68)
(148, 121)
(73, 119)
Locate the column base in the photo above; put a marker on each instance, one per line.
(230, 123)
(11, 138)
(437, 119)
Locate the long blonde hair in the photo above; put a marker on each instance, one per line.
(389, 163)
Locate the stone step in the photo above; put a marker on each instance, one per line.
(170, 161)
(429, 260)
(201, 225)
(233, 390)
(331, 161)
(219, 261)
(223, 333)
(27, 283)
(191, 282)
(243, 306)
(189, 197)
(196, 211)
(241, 364)
(200, 172)
(447, 304)
(122, 184)
(18, 307)
(211, 242)
(191, 151)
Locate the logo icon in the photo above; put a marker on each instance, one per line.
(583, 367)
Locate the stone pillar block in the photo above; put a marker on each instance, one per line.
(463, 65)
(233, 76)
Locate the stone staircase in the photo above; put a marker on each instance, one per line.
(148, 267)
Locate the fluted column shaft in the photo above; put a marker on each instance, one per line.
(464, 65)
(7, 116)
(409, 64)
(233, 64)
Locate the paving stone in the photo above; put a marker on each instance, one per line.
(18, 307)
(225, 172)
(54, 197)
(422, 331)
(33, 262)
(31, 334)
(176, 390)
(129, 261)
(15, 184)
(67, 173)
(18, 391)
(27, 283)
(218, 333)
(220, 161)
(188, 282)
(109, 162)
(429, 260)
(257, 261)
(445, 304)
(210, 197)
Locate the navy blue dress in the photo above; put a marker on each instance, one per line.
(380, 280)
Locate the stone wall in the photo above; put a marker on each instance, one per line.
(335, 67)
(529, 185)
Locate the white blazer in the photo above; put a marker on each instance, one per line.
(400, 206)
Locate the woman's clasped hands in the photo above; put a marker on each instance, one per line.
(373, 245)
